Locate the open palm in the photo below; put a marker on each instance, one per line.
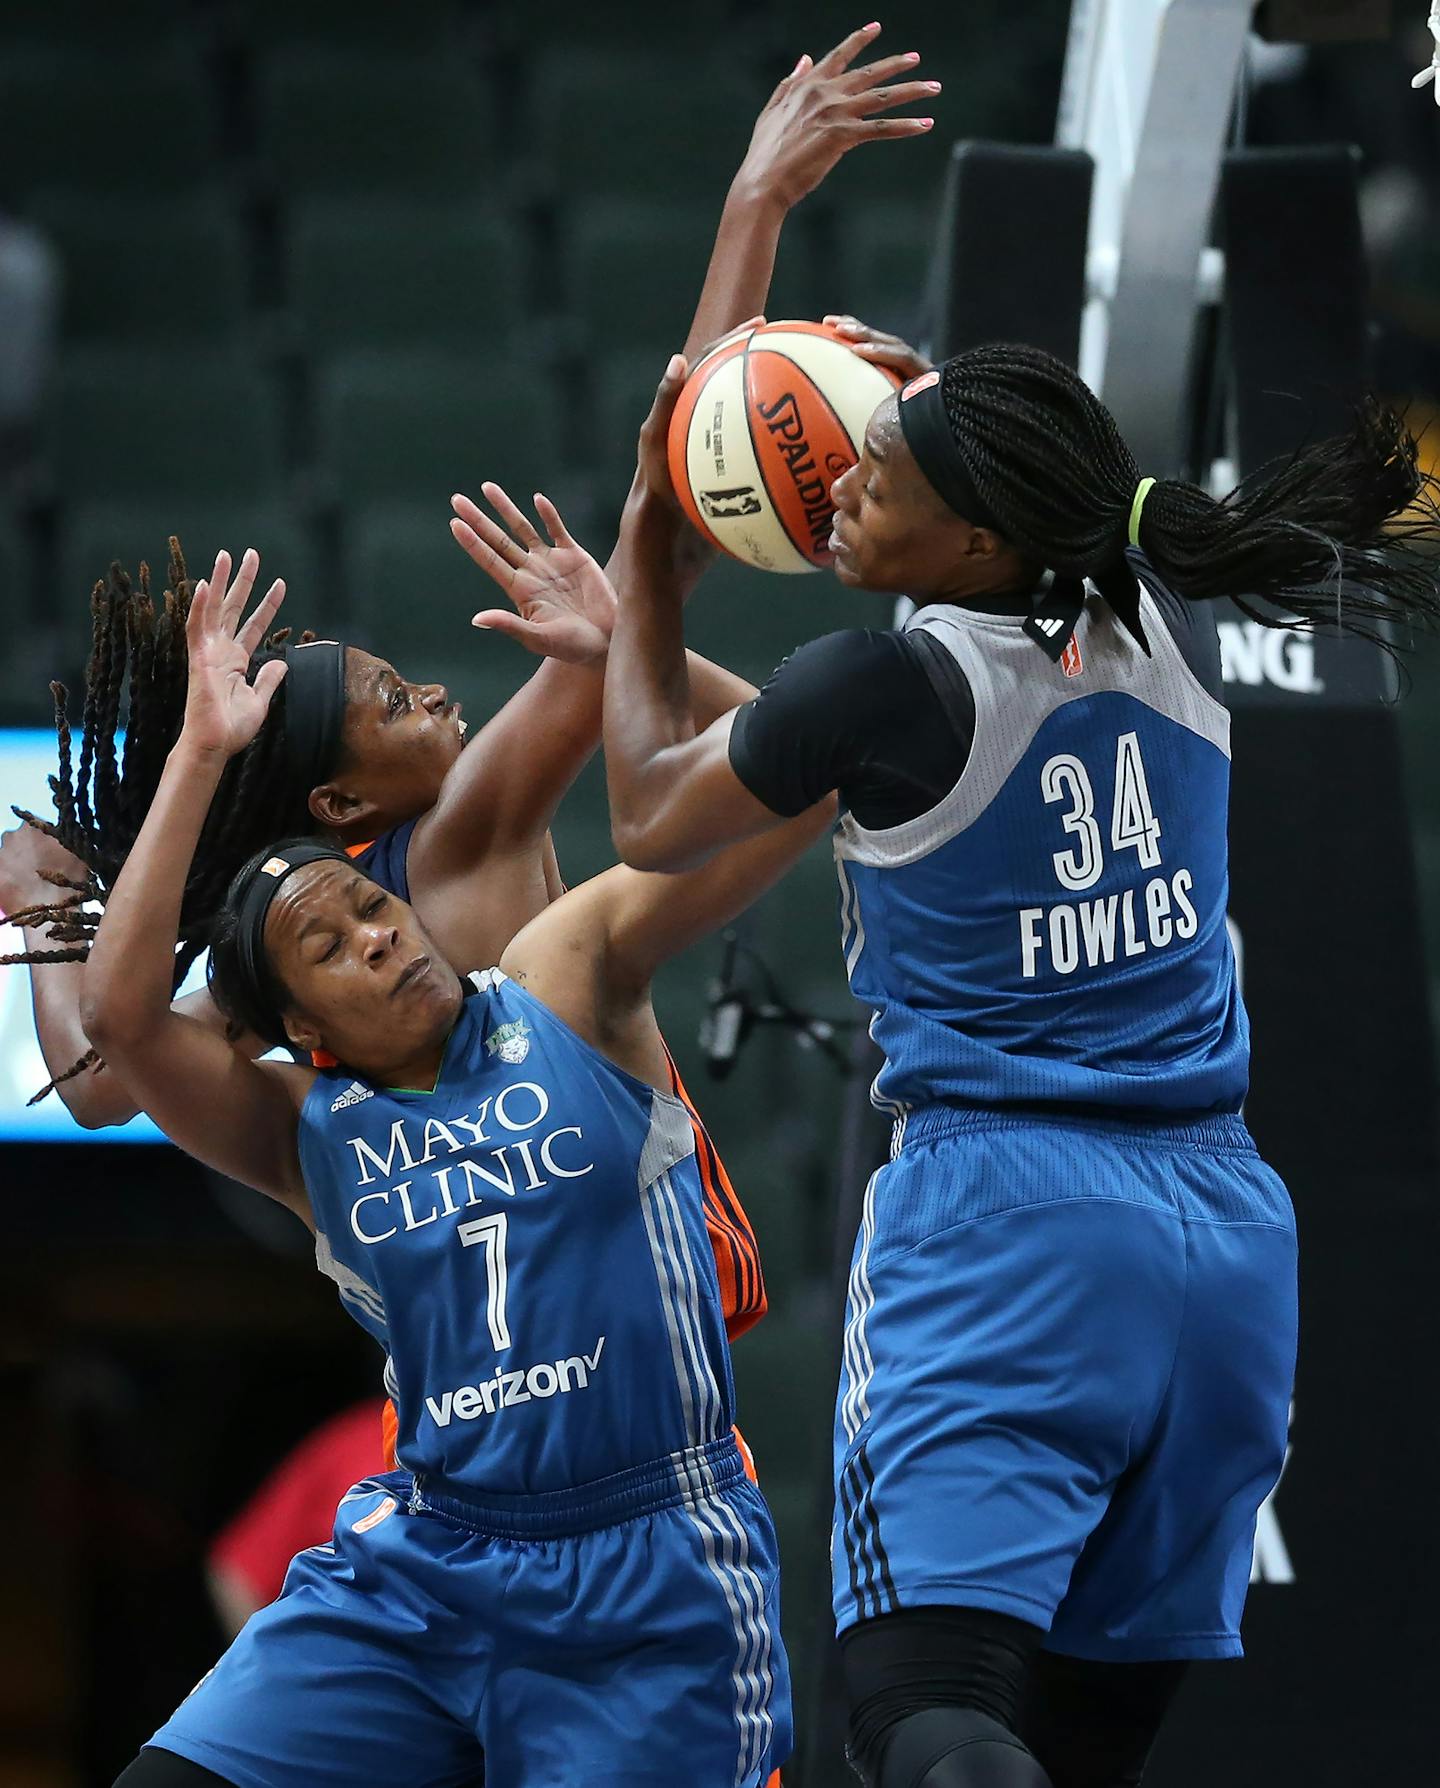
(564, 603)
(223, 709)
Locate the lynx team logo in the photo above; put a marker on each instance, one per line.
(511, 1043)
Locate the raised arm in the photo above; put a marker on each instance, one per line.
(234, 1114)
(93, 1096)
(592, 955)
(507, 785)
(675, 796)
(674, 799)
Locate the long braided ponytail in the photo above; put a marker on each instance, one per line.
(137, 679)
(1342, 533)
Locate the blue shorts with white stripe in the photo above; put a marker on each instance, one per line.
(627, 1632)
(1068, 1362)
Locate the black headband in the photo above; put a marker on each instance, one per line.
(253, 908)
(926, 428)
(314, 709)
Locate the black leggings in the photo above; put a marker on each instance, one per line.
(1090, 1725)
(155, 1768)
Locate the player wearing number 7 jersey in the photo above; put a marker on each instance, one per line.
(569, 1579)
(1072, 1313)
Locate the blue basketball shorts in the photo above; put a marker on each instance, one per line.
(1068, 1362)
(624, 1633)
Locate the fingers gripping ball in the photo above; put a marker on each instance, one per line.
(767, 422)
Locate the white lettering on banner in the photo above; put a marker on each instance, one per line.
(1254, 655)
(1091, 931)
(508, 1388)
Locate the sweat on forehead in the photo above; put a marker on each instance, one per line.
(883, 429)
(316, 884)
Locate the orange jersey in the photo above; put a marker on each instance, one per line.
(737, 1255)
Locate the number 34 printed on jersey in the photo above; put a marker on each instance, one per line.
(1131, 923)
(1133, 825)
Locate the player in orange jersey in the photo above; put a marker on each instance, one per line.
(356, 752)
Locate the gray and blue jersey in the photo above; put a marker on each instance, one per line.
(528, 1244)
(1053, 932)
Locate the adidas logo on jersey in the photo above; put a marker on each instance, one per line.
(1049, 625)
(354, 1094)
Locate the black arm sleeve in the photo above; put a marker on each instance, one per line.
(857, 712)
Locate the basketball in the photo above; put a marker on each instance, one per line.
(767, 422)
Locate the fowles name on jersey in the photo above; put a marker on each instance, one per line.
(1108, 928)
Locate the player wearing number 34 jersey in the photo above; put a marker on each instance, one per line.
(1071, 1324)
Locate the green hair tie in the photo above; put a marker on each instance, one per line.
(1142, 490)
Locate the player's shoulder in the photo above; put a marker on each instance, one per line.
(386, 859)
(846, 661)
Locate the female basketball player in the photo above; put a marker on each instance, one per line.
(570, 1580)
(354, 751)
(1072, 1308)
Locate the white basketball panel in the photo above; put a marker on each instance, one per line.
(725, 477)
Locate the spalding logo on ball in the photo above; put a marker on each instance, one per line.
(767, 422)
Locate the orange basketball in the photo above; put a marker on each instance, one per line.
(767, 422)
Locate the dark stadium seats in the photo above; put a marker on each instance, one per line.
(418, 427)
(285, 24)
(61, 25)
(749, 620)
(23, 698)
(125, 122)
(146, 269)
(404, 273)
(638, 24)
(635, 271)
(94, 534)
(409, 593)
(597, 120)
(337, 123)
(136, 423)
(885, 251)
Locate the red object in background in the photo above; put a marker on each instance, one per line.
(295, 1506)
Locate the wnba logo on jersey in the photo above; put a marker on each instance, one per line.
(1070, 660)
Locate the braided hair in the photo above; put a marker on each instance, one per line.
(137, 677)
(1342, 533)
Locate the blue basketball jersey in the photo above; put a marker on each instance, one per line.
(528, 1244)
(1053, 932)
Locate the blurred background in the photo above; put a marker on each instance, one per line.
(286, 273)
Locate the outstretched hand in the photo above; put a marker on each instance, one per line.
(564, 603)
(28, 857)
(223, 709)
(822, 109)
